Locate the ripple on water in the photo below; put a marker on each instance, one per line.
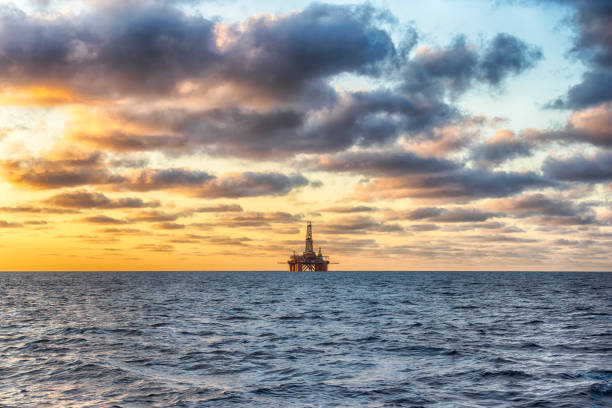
(266, 339)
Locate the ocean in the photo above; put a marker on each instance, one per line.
(280, 339)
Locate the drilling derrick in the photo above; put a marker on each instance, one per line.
(309, 260)
(309, 246)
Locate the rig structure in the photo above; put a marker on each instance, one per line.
(309, 260)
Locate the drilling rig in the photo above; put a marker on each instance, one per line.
(309, 260)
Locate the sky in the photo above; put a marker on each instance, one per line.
(202, 135)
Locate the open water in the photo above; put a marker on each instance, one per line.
(277, 339)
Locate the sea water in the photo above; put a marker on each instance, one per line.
(280, 339)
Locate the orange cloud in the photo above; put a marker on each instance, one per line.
(38, 95)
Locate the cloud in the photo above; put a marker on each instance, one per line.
(152, 47)
(439, 214)
(117, 48)
(594, 169)
(121, 231)
(422, 227)
(459, 186)
(507, 55)
(257, 219)
(155, 247)
(356, 119)
(169, 226)
(8, 224)
(157, 216)
(349, 209)
(43, 173)
(163, 179)
(35, 222)
(592, 125)
(132, 142)
(127, 50)
(381, 163)
(463, 215)
(357, 225)
(285, 53)
(102, 219)
(593, 45)
(219, 208)
(549, 210)
(432, 71)
(250, 184)
(52, 173)
(500, 148)
(421, 213)
(595, 88)
(37, 210)
(202, 184)
(86, 199)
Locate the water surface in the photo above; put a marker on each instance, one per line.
(337, 339)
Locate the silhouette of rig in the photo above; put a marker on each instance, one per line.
(309, 260)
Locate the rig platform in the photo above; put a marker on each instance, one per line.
(309, 260)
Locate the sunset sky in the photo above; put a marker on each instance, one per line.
(187, 135)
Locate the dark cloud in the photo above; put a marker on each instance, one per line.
(477, 225)
(478, 184)
(381, 163)
(422, 227)
(283, 54)
(504, 146)
(548, 210)
(123, 49)
(461, 185)
(157, 216)
(360, 118)
(595, 88)
(349, 209)
(121, 231)
(250, 184)
(126, 49)
(202, 184)
(594, 169)
(257, 219)
(592, 126)
(219, 208)
(223, 240)
(434, 71)
(42, 173)
(565, 242)
(7, 224)
(117, 48)
(45, 173)
(155, 247)
(169, 226)
(454, 65)
(162, 179)
(439, 214)
(422, 213)
(37, 210)
(501, 238)
(357, 225)
(593, 45)
(507, 55)
(463, 215)
(86, 199)
(131, 142)
(144, 47)
(35, 222)
(103, 219)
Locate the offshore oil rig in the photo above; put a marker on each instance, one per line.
(309, 260)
